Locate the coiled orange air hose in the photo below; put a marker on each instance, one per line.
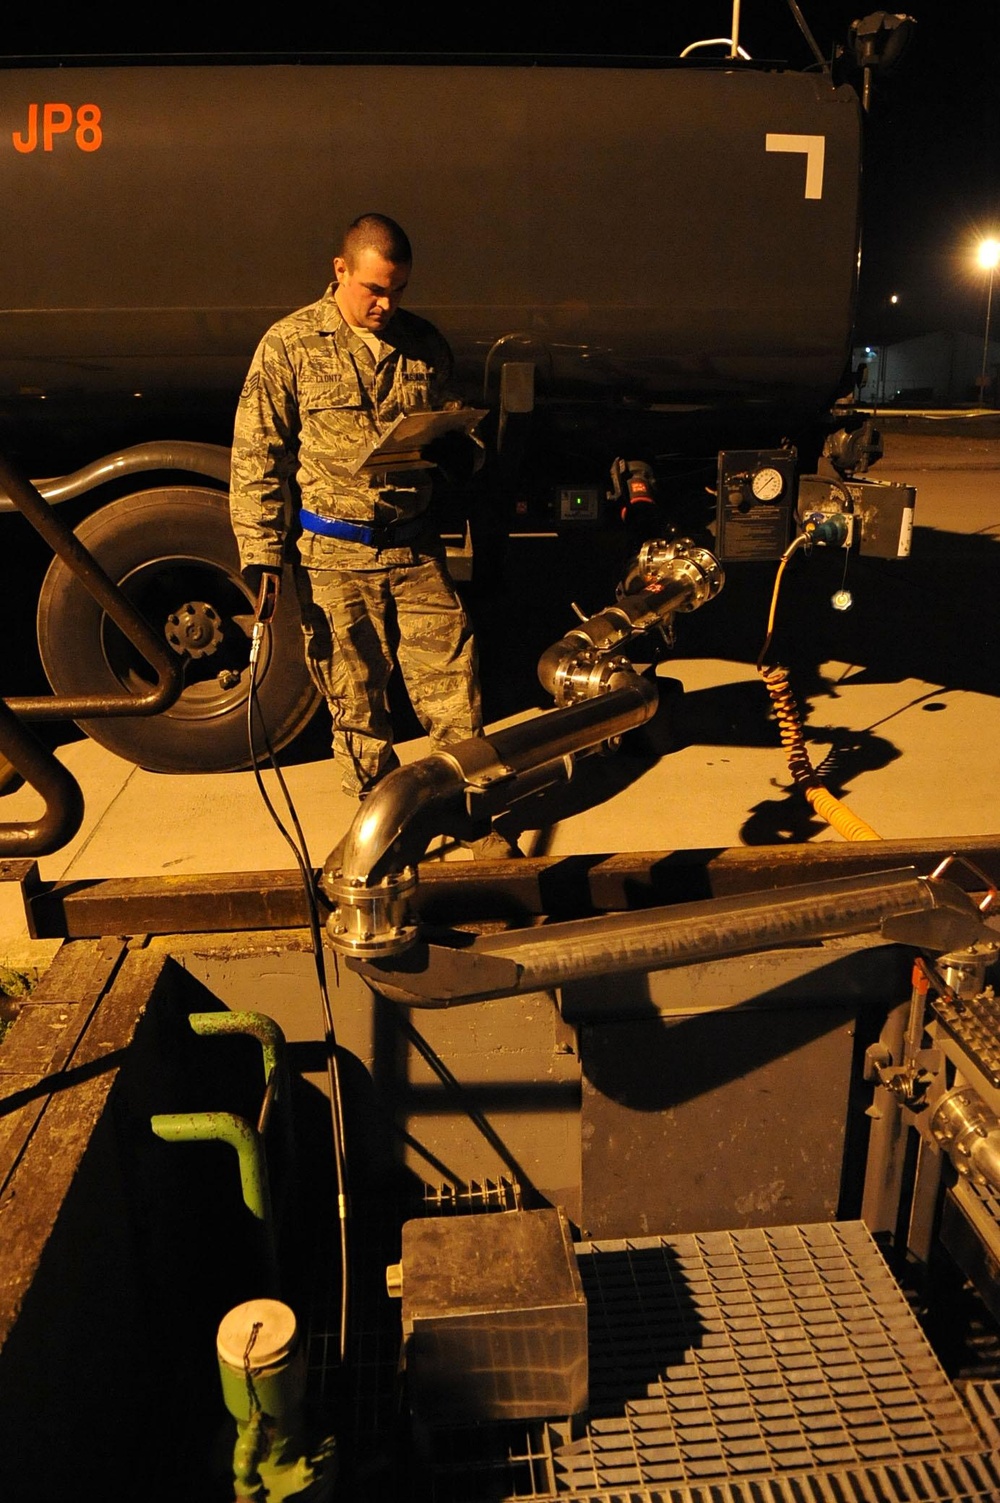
(836, 813)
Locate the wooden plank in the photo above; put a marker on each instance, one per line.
(67, 1108)
(44, 1038)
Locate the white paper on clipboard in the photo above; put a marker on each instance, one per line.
(404, 438)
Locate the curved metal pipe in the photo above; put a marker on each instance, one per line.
(212, 460)
(491, 771)
(666, 578)
(388, 814)
(369, 877)
(529, 341)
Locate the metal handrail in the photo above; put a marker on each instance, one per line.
(212, 460)
(63, 814)
(64, 542)
(36, 764)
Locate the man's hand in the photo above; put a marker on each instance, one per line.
(264, 584)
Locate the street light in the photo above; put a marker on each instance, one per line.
(891, 328)
(988, 257)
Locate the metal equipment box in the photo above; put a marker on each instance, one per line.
(882, 511)
(494, 1317)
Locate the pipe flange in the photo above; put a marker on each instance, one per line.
(589, 676)
(964, 971)
(682, 562)
(700, 570)
(656, 555)
(371, 920)
(959, 1121)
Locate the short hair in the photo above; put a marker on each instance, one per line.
(379, 233)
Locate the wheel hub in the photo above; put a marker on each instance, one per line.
(195, 629)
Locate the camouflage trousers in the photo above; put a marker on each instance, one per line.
(358, 624)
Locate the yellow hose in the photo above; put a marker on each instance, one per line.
(836, 814)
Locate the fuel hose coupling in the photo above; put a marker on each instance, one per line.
(968, 1132)
(588, 674)
(832, 529)
(680, 561)
(370, 920)
(666, 576)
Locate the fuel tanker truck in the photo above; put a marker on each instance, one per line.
(650, 257)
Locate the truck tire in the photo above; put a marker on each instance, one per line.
(172, 553)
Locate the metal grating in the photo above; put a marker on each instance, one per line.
(777, 1365)
(955, 1480)
(983, 1402)
(974, 1022)
(763, 1351)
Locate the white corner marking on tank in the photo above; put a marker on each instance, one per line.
(813, 149)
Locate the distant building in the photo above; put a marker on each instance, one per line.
(932, 370)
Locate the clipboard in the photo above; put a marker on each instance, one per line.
(399, 447)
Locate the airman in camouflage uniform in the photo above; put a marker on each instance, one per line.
(370, 570)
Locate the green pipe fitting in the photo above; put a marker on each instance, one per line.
(226, 1127)
(262, 1368)
(223, 1127)
(272, 1041)
(257, 1024)
(261, 1362)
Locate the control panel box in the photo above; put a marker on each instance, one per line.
(754, 503)
(579, 503)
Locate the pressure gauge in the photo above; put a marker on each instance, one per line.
(767, 484)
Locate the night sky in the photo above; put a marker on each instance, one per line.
(932, 184)
(932, 176)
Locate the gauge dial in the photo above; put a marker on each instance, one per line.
(767, 484)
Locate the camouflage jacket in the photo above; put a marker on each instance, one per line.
(314, 399)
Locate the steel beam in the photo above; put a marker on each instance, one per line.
(505, 894)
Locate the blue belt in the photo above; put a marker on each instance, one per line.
(390, 536)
